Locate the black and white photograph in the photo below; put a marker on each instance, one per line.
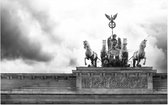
(83, 51)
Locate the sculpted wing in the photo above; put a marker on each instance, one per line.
(108, 16)
(114, 17)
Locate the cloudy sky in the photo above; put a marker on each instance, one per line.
(46, 36)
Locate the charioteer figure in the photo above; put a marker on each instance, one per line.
(114, 47)
(112, 42)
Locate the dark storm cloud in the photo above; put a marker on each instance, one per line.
(42, 17)
(160, 32)
(14, 42)
(46, 25)
(158, 29)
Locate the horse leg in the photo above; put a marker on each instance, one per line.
(125, 63)
(85, 61)
(134, 61)
(92, 62)
(138, 65)
(144, 60)
(96, 62)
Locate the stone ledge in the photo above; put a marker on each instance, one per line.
(114, 69)
(35, 76)
(84, 98)
(83, 91)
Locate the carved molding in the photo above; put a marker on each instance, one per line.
(13, 76)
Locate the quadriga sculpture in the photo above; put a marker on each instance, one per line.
(90, 55)
(140, 54)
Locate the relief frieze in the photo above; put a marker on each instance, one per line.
(115, 81)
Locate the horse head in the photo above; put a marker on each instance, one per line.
(143, 44)
(86, 44)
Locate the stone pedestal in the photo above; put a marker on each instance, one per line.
(116, 80)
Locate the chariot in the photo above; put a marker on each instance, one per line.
(117, 54)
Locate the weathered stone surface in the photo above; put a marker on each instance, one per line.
(160, 82)
(84, 98)
(61, 88)
(115, 78)
(114, 82)
(11, 81)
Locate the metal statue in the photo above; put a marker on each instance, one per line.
(90, 55)
(116, 56)
(112, 42)
(140, 54)
(114, 47)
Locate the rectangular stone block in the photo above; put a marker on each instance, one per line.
(114, 79)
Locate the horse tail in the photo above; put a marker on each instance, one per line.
(98, 58)
(95, 56)
(134, 56)
(131, 57)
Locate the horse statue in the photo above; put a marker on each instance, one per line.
(90, 55)
(140, 54)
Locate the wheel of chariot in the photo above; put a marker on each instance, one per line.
(112, 24)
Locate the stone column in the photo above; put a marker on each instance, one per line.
(150, 80)
(78, 81)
